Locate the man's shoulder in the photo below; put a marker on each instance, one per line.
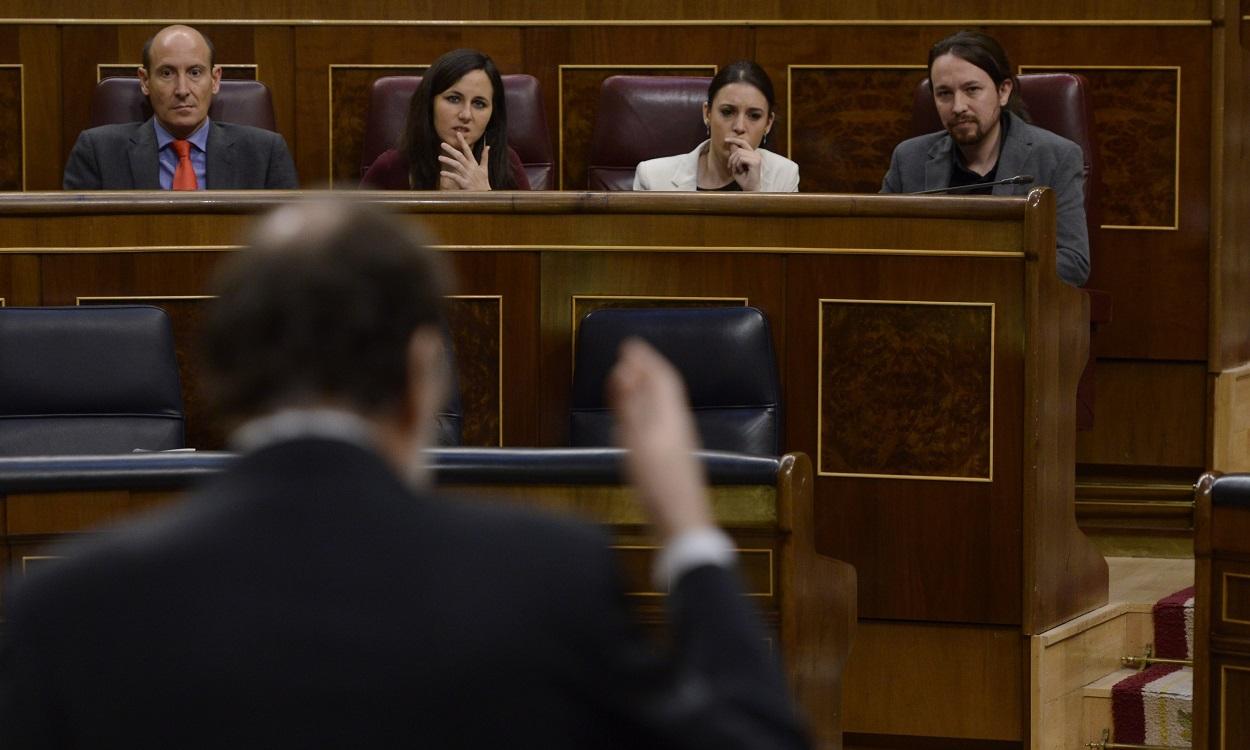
(919, 145)
(113, 132)
(237, 132)
(1039, 136)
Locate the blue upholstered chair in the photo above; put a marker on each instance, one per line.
(725, 355)
(88, 380)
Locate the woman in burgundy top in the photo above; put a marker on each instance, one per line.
(455, 138)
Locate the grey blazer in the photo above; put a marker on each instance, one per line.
(924, 162)
(123, 157)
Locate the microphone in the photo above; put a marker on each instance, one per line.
(1020, 179)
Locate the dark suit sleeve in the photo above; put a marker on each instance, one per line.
(719, 687)
(1071, 231)
(281, 174)
(82, 171)
(893, 182)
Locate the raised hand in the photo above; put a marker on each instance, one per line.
(460, 171)
(656, 428)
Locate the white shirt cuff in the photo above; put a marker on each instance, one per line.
(689, 550)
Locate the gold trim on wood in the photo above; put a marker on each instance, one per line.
(573, 310)
(141, 297)
(1224, 670)
(99, 68)
(21, 115)
(1176, 178)
(603, 22)
(498, 297)
(330, 99)
(560, 98)
(790, 90)
(738, 550)
(740, 248)
(820, 399)
(123, 249)
(1224, 598)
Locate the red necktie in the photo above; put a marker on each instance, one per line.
(184, 175)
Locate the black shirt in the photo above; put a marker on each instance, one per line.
(961, 175)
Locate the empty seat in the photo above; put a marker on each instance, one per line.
(84, 380)
(725, 355)
(640, 118)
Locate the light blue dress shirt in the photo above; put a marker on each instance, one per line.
(169, 158)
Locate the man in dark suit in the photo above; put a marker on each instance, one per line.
(986, 139)
(179, 147)
(320, 593)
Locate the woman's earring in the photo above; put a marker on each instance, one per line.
(707, 128)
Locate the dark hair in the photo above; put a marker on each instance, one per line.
(744, 71)
(322, 305)
(420, 142)
(983, 51)
(147, 49)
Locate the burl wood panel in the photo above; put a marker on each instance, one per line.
(911, 540)
(579, 101)
(186, 317)
(475, 324)
(349, 108)
(239, 72)
(12, 140)
(845, 122)
(920, 374)
(1135, 125)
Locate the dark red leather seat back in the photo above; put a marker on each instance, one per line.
(640, 118)
(119, 100)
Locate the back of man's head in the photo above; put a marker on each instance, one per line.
(320, 309)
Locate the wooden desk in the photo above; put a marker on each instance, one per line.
(929, 356)
(1222, 612)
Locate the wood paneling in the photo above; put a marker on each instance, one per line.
(922, 372)
(476, 325)
(349, 108)
(1136, 121)
(1170, 433)
(1230, 242)
(921, 516)
(12, 130)
(845, 122)
(41, 106)
(943, 681)
(615, 10)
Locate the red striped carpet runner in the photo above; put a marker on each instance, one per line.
(1155, 706)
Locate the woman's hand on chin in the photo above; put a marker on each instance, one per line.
(745, 163)
(460, 171)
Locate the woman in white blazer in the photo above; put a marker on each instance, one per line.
(739, 113)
